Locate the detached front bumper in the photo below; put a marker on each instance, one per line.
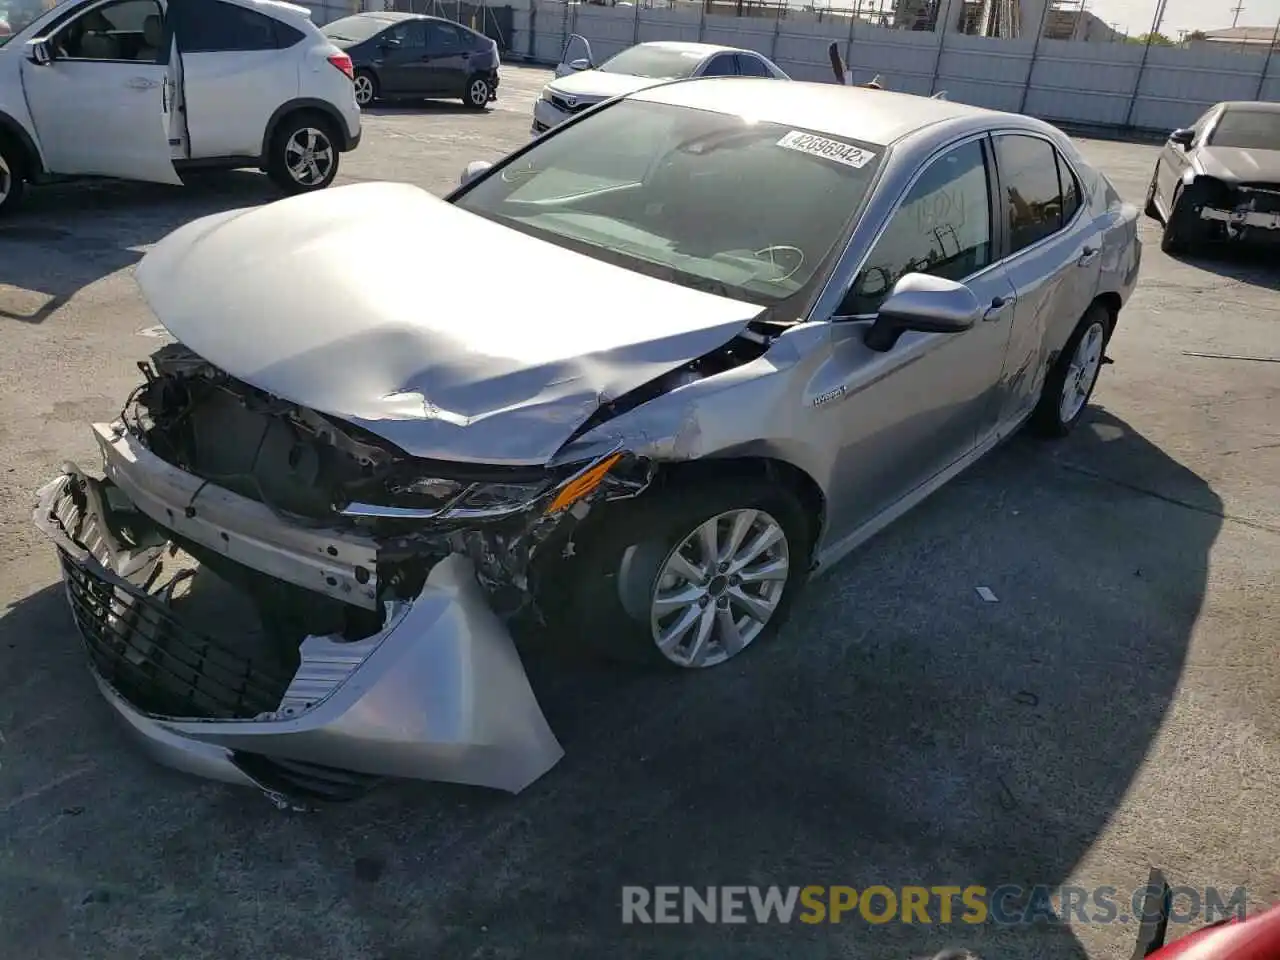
(438, 693)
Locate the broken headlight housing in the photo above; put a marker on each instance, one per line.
(459, 500)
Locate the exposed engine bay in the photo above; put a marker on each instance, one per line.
(1246, 212)
(313, 470)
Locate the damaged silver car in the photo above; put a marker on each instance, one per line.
(1219, 179)
(677, 355)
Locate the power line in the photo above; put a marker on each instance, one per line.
(1237, 10)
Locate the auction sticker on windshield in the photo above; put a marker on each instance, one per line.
(817, 146)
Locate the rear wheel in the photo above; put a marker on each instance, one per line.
(1070, 383)
(12, 175)
(304, 154)
(477, 93)
(366, 87)
(687, 577)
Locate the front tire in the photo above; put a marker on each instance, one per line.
(1184, 229)
(12, 176)
(1069, 385)
(366, 88)
(478, 93)
(304, 154)
(687, 576)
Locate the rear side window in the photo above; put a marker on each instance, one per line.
(212, 26)
(721, 65)
(752, 66)
(1070, 189)
(444, 38)
(1032, 199)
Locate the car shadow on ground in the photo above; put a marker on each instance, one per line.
(401, 108)
(1254, 265)
(67, 236)
(900, 731)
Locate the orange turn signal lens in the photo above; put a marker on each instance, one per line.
(583, 484)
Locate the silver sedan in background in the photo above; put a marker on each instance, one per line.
(754, 323)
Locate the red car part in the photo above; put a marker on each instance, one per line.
(1251, 938)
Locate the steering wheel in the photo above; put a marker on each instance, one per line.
(771, 252)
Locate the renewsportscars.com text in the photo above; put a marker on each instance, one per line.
(1005, 905)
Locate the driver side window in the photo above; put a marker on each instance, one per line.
(124, 30)
(942, 227)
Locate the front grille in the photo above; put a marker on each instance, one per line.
(304, 781)
(1264, 196)
(560, 103)
(161, 667)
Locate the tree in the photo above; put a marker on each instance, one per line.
(1197, 35)
(1157, 40)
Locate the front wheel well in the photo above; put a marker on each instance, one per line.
(13, 136)
(687, 473)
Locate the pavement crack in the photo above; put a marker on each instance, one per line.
(1176, 501)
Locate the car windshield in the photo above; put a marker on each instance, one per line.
(1247, 130)
(707, 200)
(354, 29)
(659, 63)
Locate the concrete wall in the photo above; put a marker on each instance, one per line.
(1104, 84)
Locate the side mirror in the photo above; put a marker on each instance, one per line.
(473, 170)
(926, 304)
(38, 52)
(1183, 138)
(582, 63)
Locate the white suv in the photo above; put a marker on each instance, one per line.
(142, 89)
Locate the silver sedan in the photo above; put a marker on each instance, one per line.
(743, 326)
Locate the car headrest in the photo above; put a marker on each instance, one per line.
(95, 22)
(152, 31)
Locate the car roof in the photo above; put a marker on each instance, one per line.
(688, 46)
(1257, 106)
(874, 116)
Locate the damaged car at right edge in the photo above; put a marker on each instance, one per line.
(786, 313)
(1219, 179)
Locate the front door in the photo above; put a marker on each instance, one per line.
(102, 106)
(447, 56)
(907, 414)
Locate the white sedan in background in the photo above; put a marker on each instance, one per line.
(580, 83)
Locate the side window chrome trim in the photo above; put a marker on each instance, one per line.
(884, 225)
(1081, 208)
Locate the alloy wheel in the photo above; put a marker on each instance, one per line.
(364, 90)
(719, 588)
(6, 179)
(308, 155)
(1082, 373)
(478, 93)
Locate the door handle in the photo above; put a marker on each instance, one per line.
(1089, 255)
(997, 308)
(141, 83)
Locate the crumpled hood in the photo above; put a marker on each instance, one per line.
(1241, 166)
(445, 333)
(590, 86)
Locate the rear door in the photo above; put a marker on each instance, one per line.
(102, 106)
(447, 56)
(237, 69)
(1054, 261)
(402, 64)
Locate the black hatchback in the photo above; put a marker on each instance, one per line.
(406, 55)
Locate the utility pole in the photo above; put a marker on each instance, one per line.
(1236, 10)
